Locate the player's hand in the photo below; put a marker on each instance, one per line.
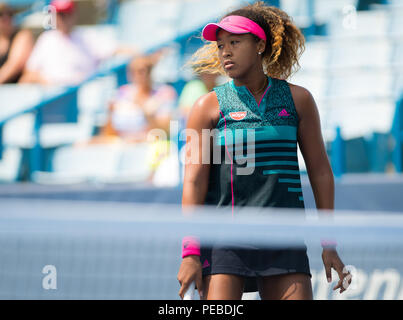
(332, 260)
(189, 271)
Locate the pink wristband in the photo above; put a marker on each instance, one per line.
(190, 246)
(328, 243)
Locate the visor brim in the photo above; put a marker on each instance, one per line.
(210, 31)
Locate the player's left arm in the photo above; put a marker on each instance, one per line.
(319, 171)
(313, 149)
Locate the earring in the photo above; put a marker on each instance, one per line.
(259, 53)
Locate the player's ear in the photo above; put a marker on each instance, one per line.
(261, 46)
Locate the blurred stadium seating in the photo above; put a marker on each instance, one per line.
(353, 72)
(352, 65)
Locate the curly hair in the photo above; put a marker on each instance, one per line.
(284, 46)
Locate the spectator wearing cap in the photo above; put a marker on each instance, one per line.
(15, 46)
(63, 56)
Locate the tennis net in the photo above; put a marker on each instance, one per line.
(92, 250)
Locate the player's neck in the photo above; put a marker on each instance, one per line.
(256, 82)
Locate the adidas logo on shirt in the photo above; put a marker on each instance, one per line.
(283, 113)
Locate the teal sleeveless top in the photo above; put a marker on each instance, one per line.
(255, 160)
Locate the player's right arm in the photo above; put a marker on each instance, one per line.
(204, 115)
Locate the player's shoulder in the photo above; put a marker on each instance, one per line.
(303, 98)
(207, 101)
(207, 107)
(300, 92)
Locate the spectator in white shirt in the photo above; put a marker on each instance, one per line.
(63, 56)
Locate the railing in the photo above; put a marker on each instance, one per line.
(397, 133)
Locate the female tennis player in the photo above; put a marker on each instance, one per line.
(257, 46)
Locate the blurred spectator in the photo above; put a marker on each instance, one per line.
(64, 56)
(195, 89)
(15, 46)
(139, 106)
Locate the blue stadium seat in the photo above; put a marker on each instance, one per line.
(79, 164)
(172, 19)
(354, 52)
(324, 10)
(10, 164)
(373, 114)
(362, 24)
(298, 10)
(361, 83)
(108, 163)
(133, 165)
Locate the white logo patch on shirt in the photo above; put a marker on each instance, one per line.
(237, 115)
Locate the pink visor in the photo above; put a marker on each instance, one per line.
(63, 6)
(233, 24)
